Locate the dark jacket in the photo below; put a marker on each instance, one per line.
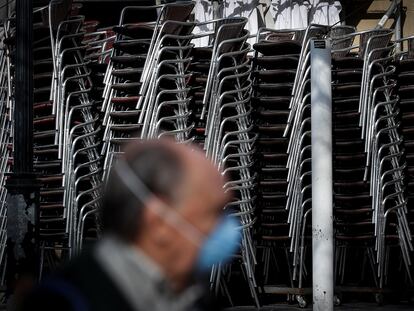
(84, 286)
(81, 286)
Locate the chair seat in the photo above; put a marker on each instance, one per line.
(131, 87)
(128, 100)
(132, 60)
(283, 47)
(127, 73)
(277, 62)
(347, 62)
(135, 31)
(132, 46)
(275, 75)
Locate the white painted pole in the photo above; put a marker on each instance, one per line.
(322, 195)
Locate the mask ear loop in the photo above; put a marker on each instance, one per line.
(141, 192)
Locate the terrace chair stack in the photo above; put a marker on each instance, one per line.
(47, 163)
(386, 165)
(79, 132)
(97, 56)
(122, 78)
(99, 47)
(65, 139)
(405, 90)
(368, 161)
(145, 58)
(6, 138)
(200, 66)
(230, 141)
(164, 92)
(281, 104)
(275, 64)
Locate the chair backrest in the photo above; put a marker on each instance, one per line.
(337, 34)
(342, 30)
(58, 12)
(179, 12)
(227, 29)
(281, 36)
(377, 38)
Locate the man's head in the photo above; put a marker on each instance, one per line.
(174, 177)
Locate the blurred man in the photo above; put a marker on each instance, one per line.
(163, 223)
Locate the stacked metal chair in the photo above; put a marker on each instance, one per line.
(161, 42)
(229, 140)
(46, 151)
(275, 65)
(122, 79)
(99, 48)
(164, 93)
(6, 104)
(66, 138)
(281, 102)
(368, 161)
(79, 139)
(404, 63)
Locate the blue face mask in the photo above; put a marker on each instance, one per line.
(216, 247)
(220, 244)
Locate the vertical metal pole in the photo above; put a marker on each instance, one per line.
(22, 211)
(398, 26)
(322, 195)
(391, 10)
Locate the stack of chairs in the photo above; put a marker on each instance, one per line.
(230, 141)
(164, 93)
(275, 65)
(129, 86)
(199, 68)
(46, 150)
(6, 138)
(99, 44)
(354, 228)
(46, 162)
(122, 78)
(79, 132)
(282, 115)
(370, 203)
(66, 138)
(201, 57)
(404, 63)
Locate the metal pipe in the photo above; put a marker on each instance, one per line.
(398, 27)
(322, 194)
(392, 8)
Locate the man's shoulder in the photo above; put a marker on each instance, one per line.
(79, 285)
(86, 274)
(82, 268)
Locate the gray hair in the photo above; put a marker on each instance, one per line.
(160, 169)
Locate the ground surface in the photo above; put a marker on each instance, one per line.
(345, 307)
